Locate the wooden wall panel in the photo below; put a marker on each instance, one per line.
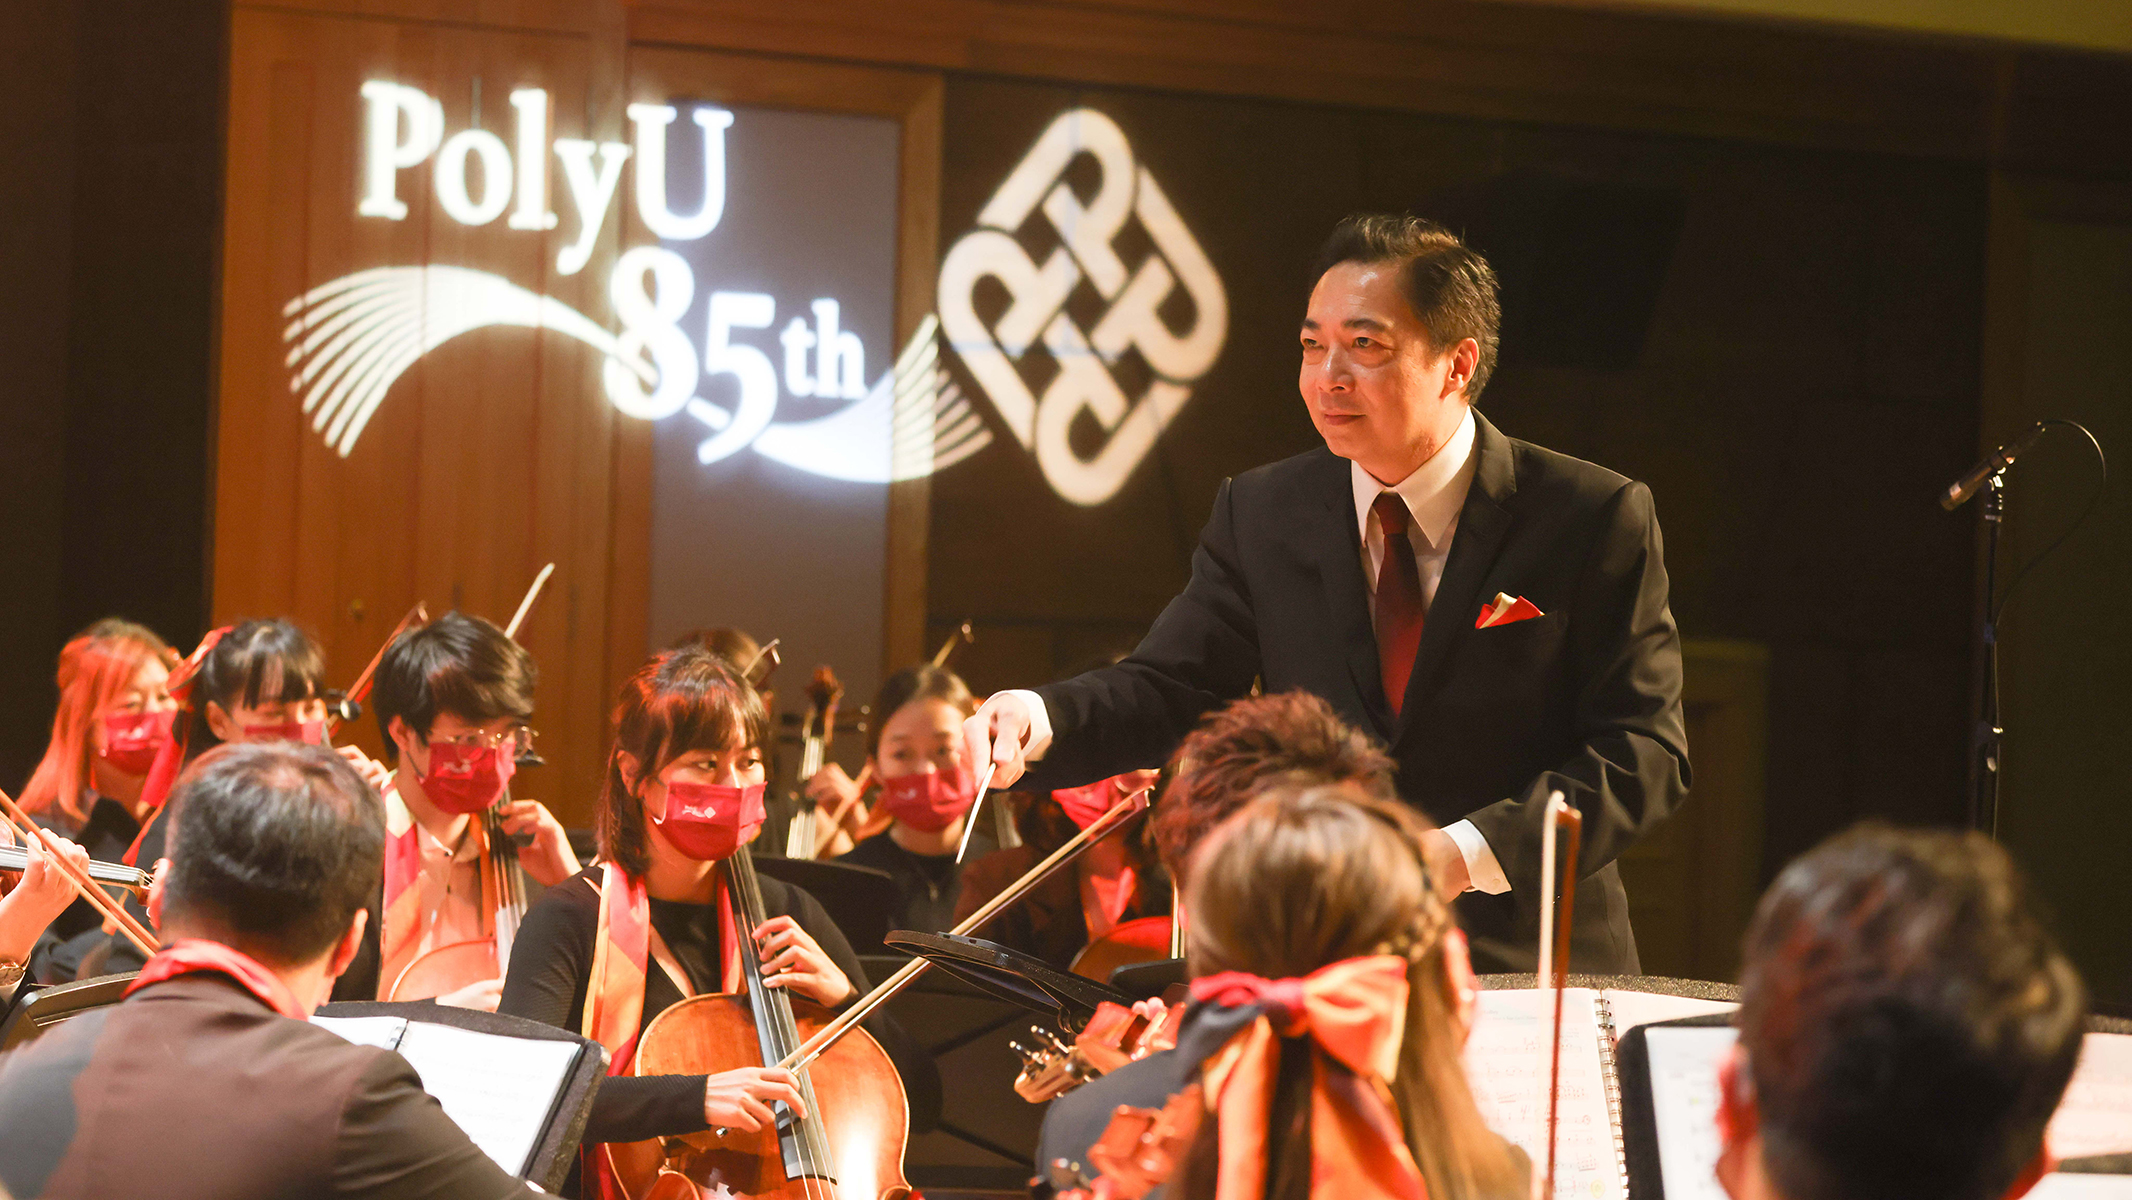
(491, 456)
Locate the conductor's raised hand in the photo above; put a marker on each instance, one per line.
(741, 1098)
(999, 733)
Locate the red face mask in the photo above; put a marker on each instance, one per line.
(1084, 804)
(466, 779)
(929, 802)
(709, 821)
(310, 733)
(132, 740)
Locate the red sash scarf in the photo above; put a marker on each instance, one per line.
(1354, 1013)
(403, 922)
(614, 994)
(189, 955)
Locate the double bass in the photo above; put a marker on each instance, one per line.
(850, 1144)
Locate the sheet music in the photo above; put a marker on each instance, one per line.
(1631, 1009)
(2062, 1186)
(499, 1089)
(382, 1032)
(1684, 1103)
(2096, 1115)
(1506, 1063)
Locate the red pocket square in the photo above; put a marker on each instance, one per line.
(1504, 609)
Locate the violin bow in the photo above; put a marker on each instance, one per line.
(969, 820)
(526, 605)
(360, 690)
(962, 636)
(84, 886)
(766, 660)
(1098, 829)
(1554, 951)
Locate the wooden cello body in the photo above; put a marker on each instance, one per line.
(861, 1106)
(849, 1147)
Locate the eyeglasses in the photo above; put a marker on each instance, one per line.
(517, 741)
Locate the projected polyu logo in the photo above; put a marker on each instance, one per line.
(350, 339)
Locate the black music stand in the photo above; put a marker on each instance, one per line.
(861, 900)
(556, 1149)
(1011, 975)
(37, 1010)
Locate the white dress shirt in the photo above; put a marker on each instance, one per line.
(1435, 493)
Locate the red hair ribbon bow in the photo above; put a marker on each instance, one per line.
(1354, 1013)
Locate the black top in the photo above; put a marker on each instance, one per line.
(927, 885)
(1585, 698)
(106, 834)
(551, 965)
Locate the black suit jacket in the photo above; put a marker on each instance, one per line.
(192, 1089)
(1584, 699)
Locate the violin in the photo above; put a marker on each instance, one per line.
(1140, 940)
(1113, 1037)
(801, 838)
(850, 1144)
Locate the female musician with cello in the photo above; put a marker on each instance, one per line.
(663, 917)
(453, 699)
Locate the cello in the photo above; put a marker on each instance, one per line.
(848, 1147)
(819, 725)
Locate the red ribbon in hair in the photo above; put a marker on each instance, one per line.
(1354, 1013)
(191, 955)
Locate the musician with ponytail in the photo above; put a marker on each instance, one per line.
(1332, 996)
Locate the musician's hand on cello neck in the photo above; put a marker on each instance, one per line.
(1009, 730)
(549, 860)
(37, 898)
(741, 1099)
(793, 960)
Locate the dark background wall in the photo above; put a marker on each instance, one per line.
(110, 183)
(1783, 343)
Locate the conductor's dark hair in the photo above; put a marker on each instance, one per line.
(257, 662)
(462, 665)
(1240, 751)
(273, 848)
(680, 700)
(1450, 287)
(1908, 1021)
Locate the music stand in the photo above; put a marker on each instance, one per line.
(36, 1011)
(861, 900)
(1145, 981)
(1011, 975)
(556, 1149)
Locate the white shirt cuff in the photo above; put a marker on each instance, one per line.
(1040, 725)
(1484, 873)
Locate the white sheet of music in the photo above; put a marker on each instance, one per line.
(1631, 1009)
(499, 1090)
(1506, 1063)
(2096, 1115)
(1684, 1101)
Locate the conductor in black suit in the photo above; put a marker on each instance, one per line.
(1493, 611)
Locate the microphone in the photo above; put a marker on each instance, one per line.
(1959, 492)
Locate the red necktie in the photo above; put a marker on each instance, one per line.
(1399, 608)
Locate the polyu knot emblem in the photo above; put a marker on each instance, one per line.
(1132, 344)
